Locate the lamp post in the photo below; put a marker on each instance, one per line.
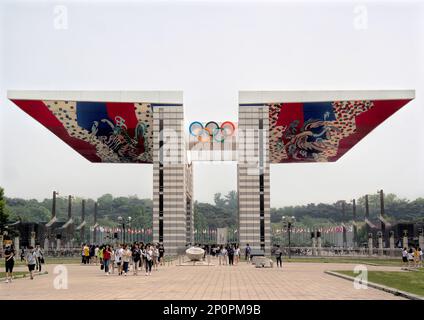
(288, 222)
(123, 222)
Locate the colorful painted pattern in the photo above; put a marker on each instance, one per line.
(323, 131)
(99, 131)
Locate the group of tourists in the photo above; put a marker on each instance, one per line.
(227, 255)
(33, 258)
(413, 258)
(125, 257)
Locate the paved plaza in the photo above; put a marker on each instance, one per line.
(294, 281)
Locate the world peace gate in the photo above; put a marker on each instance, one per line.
(148, 128)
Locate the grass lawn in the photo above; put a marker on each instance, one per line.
(48, 261)
(412, 282)
(19, 273)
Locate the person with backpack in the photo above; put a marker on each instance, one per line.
(31, 261)
(230, 255)
(247, 253)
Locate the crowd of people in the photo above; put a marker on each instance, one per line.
(412, 258)
(124, 257)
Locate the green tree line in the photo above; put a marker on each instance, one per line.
(222, 213)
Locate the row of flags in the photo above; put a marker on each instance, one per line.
(211, 231)
(333, 229)
(129, 230)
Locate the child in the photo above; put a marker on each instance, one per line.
(31, 260)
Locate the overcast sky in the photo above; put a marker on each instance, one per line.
(210, 51)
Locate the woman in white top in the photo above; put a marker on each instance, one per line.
(148, 255)
(236, 255)
(126, 258)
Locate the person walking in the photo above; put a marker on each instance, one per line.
(39, 254)
(118, 258)
(112, 260)
(22, 254)
(410, 258)
(136, 255)
(416, 257)
(9, 256)
(155, 251)
(247, 253)
(31, 261)
(86, 250)
(148, 260)
(278, 255)
(237, 255)
(96, 254)
(405, 256)
(107, 252)
(230, 255)
(126, 257)
(161, 254)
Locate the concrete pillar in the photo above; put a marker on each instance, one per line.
(370, 244)
(421, 241)
(314, 245)
(319, 245)
(392, 243)
(16, 245)
(380, 244)
(46, 245)
(58, 244)
(405, 242)
(253, 176)
(32, 239)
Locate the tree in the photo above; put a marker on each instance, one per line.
(3, 213)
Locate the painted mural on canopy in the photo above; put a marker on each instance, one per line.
(99, 131)
(323, 131)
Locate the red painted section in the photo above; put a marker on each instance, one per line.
(367, 121)
(39, 111)
(125, 111)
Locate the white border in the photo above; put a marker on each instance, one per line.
(252, 97)
(99, 96)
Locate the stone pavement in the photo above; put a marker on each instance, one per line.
(294, 281)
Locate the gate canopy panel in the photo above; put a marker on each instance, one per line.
(111, 131)
(322, 126)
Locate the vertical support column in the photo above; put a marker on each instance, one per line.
(392, 243)
(16, 245)
(405, 243)
(319, 242)
(380, 243)
(314, 243)
(95, 223)
(253, 178)
(421, 238)
(370, 244)
(32, 242)
(82, 231)
(355, 228)
(170, 176)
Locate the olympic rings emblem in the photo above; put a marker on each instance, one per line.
(212, 131)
